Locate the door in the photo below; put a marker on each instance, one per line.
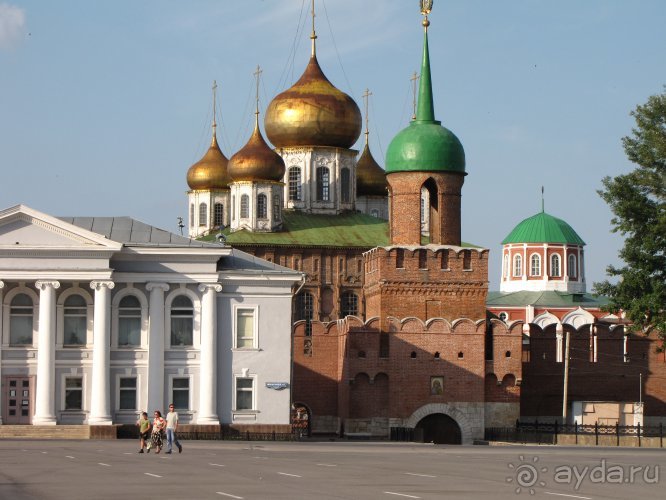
(17, 400)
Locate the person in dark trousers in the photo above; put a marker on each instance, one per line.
(171, 427)
(144, 431)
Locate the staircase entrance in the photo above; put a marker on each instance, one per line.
(17, 400)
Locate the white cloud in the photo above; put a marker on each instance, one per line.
(12, 25)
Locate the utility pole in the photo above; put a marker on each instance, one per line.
(566, 379)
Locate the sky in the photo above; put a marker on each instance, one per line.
(105, 105)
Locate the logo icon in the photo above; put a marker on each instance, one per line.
(526, 476)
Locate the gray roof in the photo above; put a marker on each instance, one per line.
(131, 232)
(238, 259)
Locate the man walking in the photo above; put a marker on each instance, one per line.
(171, 427)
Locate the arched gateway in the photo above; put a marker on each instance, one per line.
(445, 424)
(440, 429)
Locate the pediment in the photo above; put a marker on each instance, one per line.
(22, 227)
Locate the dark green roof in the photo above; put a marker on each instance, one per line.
(300, 229)
(543, 228)
(544, 299)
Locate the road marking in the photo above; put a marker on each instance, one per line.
(151, 475)
(68, 456)
(327, 465)
(126, 453)
(400, 494)
(419, 475)
(261, 458)
(44, 452)
(565, 495)
(228, 495)
(102, 463)
(285, 474)
(217, 465)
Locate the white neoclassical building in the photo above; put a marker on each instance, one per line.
(103, 317)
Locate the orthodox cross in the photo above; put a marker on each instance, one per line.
(366, 95)
(257, 74)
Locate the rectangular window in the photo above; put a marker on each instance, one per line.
(423, 259)
(129, 331)
(20, 329)
(444, 255)
(400, 258)
(75, 329)
(73, 393)
(467, 260)
(180, 393)
(127, 393)
(244, 394)
(244, 328)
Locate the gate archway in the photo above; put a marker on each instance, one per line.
(439, 428)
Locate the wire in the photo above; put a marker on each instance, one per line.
(291, 57)
(328, 20)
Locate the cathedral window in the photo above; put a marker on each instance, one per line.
(277, 206)
(555, 265)
(182, 321)
(262, 209)
(218, 215)
(75, 321)
(518, 265)
(572, 266)
(323, 184)
(345, 185)
(295, 184)
(245, 206)
(349, 304)
(129, 322)
(203, 214)
(535, 265)
(20, 320)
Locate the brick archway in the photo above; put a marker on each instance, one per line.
(456, 414)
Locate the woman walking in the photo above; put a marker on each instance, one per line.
(158, 431)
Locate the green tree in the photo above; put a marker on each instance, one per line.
(638, 202)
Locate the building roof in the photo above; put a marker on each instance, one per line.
(544, 299)
(131, 232)
(237, 259)
(543, 228)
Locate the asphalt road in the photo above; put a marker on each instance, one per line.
(54, 470)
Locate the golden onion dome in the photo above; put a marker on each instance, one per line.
(256, 161)
(211, 171)
(370, 177)
(313, 113)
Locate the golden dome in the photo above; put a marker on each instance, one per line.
(313, 113)
(370, 177)
(211, 171)
(256, 161)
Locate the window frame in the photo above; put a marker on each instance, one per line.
(203, 214)
(196, 320)
(555, 258)
(119, 391)
(173, 399)
(255, 326)
(34, 312)
(64, 389)
(218, 214)
(535, 270)
(262, 206)
(245, 376)
(244, 206)
(323, 184)
(345, 185)
(295, 184)
(347, 294)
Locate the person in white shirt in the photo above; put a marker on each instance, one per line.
(171, 427)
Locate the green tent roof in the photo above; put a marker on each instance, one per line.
(543, 228)
(549, 298)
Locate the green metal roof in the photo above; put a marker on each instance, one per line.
(300, 229)
(425, 145)
(544, 299)
(543, 228)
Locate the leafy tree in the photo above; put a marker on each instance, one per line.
(638, 202)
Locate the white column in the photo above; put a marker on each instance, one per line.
(45, 390)
(156, 347)
(2, 285)
(100, 393)
(208, 356)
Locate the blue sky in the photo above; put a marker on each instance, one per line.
(104, 105)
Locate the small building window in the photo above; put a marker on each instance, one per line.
(437, 355)
(517, 266)
(129, 322)
(295, 184)
(75, 321)
(571, 271)
(277, 209)
(218, 216)
(555, 266)
(423, 259)
(535, 265)
(467, 260)
(305, 310)
(383, 345)
(361, 354)
(261, 206)
(400, 258)
(444, 259)
(244, 328)
(182, 322)
(323, 184)
(203, 215)
(245, 206)
(244, 394)
(349, 304)
(180, 393)
(73, 393)
(344, 185)
(461, 355)
(127, 393)
(413, 355)
(506, 267)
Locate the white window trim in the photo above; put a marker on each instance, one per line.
(254, 392)
(538, 257)
(517, 258)
(196, 320)
(138, 401)
(60, 318)
(121, 294)
(255, 327)
(553, 258)
(74, 373)
(190, 401)
(6, 312)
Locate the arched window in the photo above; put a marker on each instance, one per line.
(262, 210)
(344, 185)
(506, 266)
(295, 184)
(129, 322)
(75, 320)
(555, 266)
(348, 304)
(323, 184)
(571, 271)
(218, 215)
(182, 321)
(20, 320)
(518, 265)
(191, 214)
(203, 214)
(305, 310)
(245, 206)
(535, 265)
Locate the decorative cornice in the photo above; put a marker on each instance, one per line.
(203, 287)
(43, 284)
(157, 286)
(100, 284)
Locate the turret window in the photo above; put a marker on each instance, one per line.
(203, 214)
(555, 266)
(572, 267)
(245, 206)
(295, 184)
(535, 265)
(323, 184)
(261, 206)
(345, 184)
(218, 215)
(518, 266)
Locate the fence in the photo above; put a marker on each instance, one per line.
(556, 433)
